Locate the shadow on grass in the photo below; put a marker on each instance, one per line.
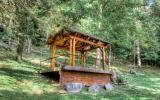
(16, 73)
(31, 65)
(12, 95)
(34, 65)
(113, 95)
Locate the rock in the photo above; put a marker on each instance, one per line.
(132, 71)
(95, 88)
(62, 91)
(114, 76)
(109, 86)
(74, 87)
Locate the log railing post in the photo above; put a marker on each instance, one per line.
(83, 59)
(53, 64)
(98, 57)
(103, 57)
(72, 52)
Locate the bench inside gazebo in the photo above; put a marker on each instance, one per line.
(74, 41)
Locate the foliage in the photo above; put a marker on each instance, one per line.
(123, 22)
(121, 79)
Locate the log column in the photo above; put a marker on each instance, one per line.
(98, 57)
(53, 64)
(83, 59)
(103, 57)
(72, 52)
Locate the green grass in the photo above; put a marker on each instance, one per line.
(21, 81)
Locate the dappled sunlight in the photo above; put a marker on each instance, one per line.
(143, 98)
(152, 90)
(115, 68)
(21, 78)
(155, 79)
(36, 90)
(7, 83)
(4, 65)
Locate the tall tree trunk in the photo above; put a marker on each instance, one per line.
(110, 57)
(138, 54)
(137, 57)
(101, 2)
(19, 49)
(134, 54)
(9, 43)
(29, 45)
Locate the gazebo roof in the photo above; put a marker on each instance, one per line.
(84, 41)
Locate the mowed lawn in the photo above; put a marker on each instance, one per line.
(21, 81)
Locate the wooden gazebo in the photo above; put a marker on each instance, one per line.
(74, 41)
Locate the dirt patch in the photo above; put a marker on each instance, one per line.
(5, 65)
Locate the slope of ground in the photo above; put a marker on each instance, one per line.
(21, 81)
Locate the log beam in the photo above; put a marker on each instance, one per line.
(86, 41)
(61, 41)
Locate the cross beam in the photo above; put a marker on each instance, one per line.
(86, 41)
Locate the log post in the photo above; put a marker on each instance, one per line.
(72, 52)
(74, 42)
(53, 64)
(103, 57)
(110, 56)
(83, 59)
(98, 57)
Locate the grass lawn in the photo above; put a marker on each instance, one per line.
(21, 81)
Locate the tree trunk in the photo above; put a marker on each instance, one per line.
(101, 2)
(109, 57)
(134, 54)
(98, 59)
(9, 43)
(29, 46)
(19, 49)
(138, 54)
(137, 57)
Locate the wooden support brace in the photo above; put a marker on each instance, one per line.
(86, 41)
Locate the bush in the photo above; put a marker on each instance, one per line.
(121, 79)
